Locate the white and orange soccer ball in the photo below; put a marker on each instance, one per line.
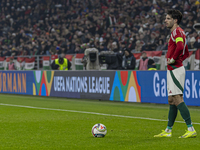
(99, 130)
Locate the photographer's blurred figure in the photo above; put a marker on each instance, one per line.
(129, 61)
(151, 65)
(61, 63)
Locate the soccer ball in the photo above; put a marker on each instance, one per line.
(99, 130)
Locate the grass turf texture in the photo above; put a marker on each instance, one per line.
(31, 128)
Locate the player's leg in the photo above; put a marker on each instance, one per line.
(178, 78)
(184, 111)
(172, 113)
(172, 110)
(171, 119)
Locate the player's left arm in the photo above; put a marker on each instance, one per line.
(179, 46)
(186, 53)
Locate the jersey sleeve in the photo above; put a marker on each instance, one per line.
(179, 39)
(186, 54)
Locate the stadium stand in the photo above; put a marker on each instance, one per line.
(37, 28)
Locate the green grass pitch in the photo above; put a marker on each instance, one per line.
(46, 123)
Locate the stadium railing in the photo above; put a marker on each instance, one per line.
(43, 62)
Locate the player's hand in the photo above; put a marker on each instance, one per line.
(169, 61)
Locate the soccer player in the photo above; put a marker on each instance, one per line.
(176, 54)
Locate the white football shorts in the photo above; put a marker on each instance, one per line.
(175, 81)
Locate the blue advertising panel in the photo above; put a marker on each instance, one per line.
(192, 88)
(16, 82)
(128, 86)
(154, 87)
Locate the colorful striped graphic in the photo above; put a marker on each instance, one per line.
(125, 87)
(43, 82)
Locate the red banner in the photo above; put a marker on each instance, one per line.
(8, 59)
(79, 55)
(46, 57)
(20, 59)
(2, 58)
(53, 57)
(69, 57)
(28, 60)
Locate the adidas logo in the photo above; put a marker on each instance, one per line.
(170, 91)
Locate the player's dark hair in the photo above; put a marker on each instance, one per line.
(175, 14)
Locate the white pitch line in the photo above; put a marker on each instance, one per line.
(93, 113)
(144, 106)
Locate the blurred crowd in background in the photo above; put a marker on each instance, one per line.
(46, 27)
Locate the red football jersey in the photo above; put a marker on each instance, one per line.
(178, 55)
